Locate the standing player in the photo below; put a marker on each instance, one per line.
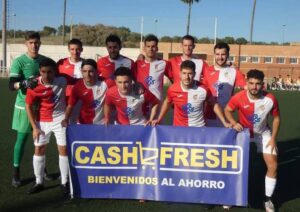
(253, 106)
(221, 79)
(188, 45)
(23, 71)
(130, 105)
(91, 92)
(71, 67)
(188, 99)
(150, 71)
(107, 65)
(50, 95)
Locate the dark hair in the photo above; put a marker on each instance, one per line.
(222, 45)
(256, 74)
(113, 38)
(75, 41)
(90, 62)
(47, 62)
(188, 64)
(151, 37)
(188, 37)
(32, 35)
(123, 71)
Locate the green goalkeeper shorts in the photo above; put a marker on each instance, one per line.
(20, 121)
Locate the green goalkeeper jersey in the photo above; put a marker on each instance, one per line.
(24, 67)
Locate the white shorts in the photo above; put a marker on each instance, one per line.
(261, 141)
(48, 128)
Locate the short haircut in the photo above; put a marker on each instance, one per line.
(32, 35)
(256, 74)
(188, 64)
(113, 38)
(75, 41)
(150, 37)
(48, 62)
(123, 71)
(188, 37)
(90, 62)
(222, 45)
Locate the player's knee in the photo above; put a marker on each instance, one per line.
(62, 150)
(40, 150)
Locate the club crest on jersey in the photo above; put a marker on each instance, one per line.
(95, 103)
(262, 108)
(156, 66)
(149, 80)
(195, 97)
(188, 108)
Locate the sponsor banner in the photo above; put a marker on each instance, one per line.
(163, 163)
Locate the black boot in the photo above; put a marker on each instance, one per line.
(16, 182)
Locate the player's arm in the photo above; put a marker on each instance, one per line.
(107, 110)
(31, 116)
(68, 113)
(229, 116)
(164, 109)
(219, 112)
(275, 129)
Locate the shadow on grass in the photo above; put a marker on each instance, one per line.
(288, 183)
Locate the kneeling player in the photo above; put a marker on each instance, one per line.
(124, 98)
(254, 105)
(50, 95)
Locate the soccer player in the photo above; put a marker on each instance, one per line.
(150, 71)
(188, 98)
(91, 92)
(129, 104)
(50, 95)
(108, 64)
(188, 45)
(23, 71)
(221, 79)
(71, 67)
(253, 106)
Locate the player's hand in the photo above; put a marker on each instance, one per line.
(147, 123)
(227, 124)
(31, 82)
(36, 134)
(105, 122)
(64, 123)
(154, 122)
(272, 144)
(238, 127)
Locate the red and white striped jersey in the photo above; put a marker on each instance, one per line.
(188, 104)
(131, 109)
(151, 75)
(106, 66)
(253, 114)
(92, 98)
(51, 99)
(175, 68)
(67, 67)
(221, 84)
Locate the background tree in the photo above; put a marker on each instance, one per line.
(189, 2)
(241, 41)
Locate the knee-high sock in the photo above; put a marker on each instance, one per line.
(39, 168)
(270, 184)
(19, 148)
(64, 168)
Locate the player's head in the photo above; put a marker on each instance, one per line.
(221, 51)
(123, 78)
(255, 81)
(75, 48)
(113, 46)
(89, 71)
(188, 45)
(33, 42)
(48, 70)
(187, 73)
(151, 46)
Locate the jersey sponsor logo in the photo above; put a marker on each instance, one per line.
(95, 103)
(129, 111)
(254, 118)
(188, 108)
(149, 80)
(54, 99)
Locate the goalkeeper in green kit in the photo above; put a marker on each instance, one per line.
(23, 73)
